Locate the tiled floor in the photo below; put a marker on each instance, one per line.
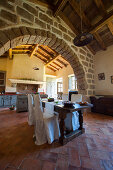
(92, 150)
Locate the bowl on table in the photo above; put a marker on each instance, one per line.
(51, 100)
(68, 104)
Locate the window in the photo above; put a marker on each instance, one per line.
(72, 82)
(59, 87)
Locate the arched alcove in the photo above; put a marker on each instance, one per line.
(25, 35)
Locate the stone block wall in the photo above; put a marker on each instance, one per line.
(22, 22)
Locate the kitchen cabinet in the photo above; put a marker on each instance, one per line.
(8, 100)
(22, 103)
(1, 101)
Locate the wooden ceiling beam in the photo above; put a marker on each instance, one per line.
(91, 49)
(56, 64)
(43, 49)
(100, 6)
(60, 4)
(20, 49)
(98, 38)
(44, 57)
(10, 54)
(45, 61)
(21, 52)
(51, 68)
(50, 61)
(110, 26)
(33, 50)
(52, 50)
(38, 52)
(68, 22)
(102, 22)
(81, 14)
(61, 62)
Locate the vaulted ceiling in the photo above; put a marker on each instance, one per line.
(97, 18)
(51, 59)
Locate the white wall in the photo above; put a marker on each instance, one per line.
(63, 73)
(22, 67)
(104, 64)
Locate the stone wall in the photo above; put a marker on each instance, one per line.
(22, 22)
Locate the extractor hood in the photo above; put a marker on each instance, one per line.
(18, 81)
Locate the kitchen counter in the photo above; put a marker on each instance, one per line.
(7, 100)
(10, 94)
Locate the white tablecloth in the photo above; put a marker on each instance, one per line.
(72, 119)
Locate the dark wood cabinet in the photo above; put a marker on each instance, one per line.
(2, 81)
(22, 103)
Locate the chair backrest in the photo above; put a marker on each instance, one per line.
(38, 110)
(65, 97)
(30, 102)
(76, 98)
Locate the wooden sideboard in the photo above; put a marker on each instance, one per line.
(102, 104)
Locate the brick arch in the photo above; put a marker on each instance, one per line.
(25, 35)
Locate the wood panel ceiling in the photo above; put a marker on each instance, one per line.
(51, 58)
(97, 18)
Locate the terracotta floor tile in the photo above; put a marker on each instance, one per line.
(48, 165)
(83, 150)
(16, 162)
(111, 155)
(63, 150)
(49, 156)
(108, 165)
(93, 150)
(5, 162)
(74, 158)
(76, 168)
(30, 164)
(62, 162)
(99, 154)
(91, 163)
(10, 168)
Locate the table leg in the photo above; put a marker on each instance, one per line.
(62, 125)
(80, 120)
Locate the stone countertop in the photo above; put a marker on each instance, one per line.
(11, 94)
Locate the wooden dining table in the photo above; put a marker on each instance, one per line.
(63, 111)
